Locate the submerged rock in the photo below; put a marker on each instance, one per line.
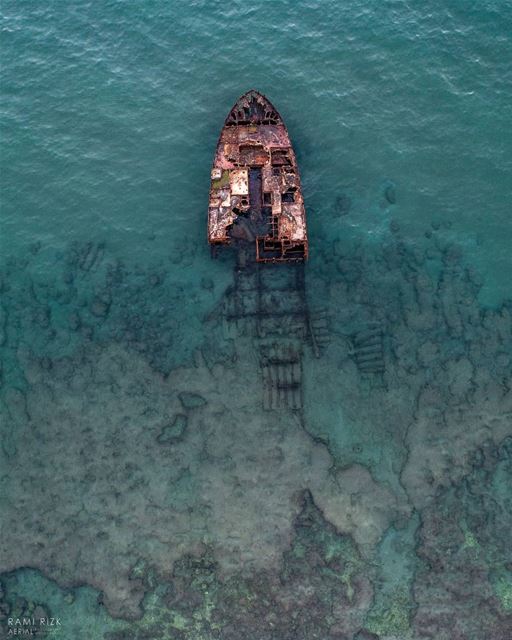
(74, 321)
(191, 400)
(99, 308)
(35, 247)
(68, 277)
(343, 204)
(390, 193)
(364, 634)
(394, 226)
(174, 431)
(155, 279)
(207, 284)
(42, 316)
(87, 332)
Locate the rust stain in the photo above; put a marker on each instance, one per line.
(255, 193)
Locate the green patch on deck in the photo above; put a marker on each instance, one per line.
(223, 181)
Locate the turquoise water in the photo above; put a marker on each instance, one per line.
(111, 311)
(111, 116)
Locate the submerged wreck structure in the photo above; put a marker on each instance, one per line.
(256, 208)
(255, 192)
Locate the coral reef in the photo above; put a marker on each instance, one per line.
(140, 462)
(101, 490)
(463, 586)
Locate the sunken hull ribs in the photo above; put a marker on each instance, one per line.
(255, 193)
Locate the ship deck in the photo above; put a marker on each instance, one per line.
(255, 193)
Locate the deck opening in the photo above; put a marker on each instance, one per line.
(255, 191)
(280, 157)
(288, 196)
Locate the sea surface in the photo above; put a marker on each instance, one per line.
(111, 113)
(400, 114)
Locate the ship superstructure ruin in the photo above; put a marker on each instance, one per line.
(255, 192)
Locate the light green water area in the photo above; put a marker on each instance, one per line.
(150, 487)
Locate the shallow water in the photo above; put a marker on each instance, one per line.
(112, 307)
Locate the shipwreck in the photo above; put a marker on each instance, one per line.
(255, 200)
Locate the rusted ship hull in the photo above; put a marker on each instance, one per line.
(255, 193)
